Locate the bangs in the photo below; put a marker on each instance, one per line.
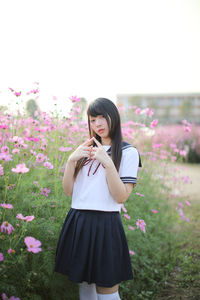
(96, 109)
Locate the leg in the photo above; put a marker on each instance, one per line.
(87, 291)
(104, 293)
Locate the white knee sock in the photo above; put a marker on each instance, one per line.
(114, 296)
(87, 291)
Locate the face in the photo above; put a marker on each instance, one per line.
(99, 125)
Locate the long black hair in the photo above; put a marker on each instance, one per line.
(106, 108)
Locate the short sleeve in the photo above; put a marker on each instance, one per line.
(129, 165)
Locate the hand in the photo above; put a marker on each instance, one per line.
(84, 150)
(100, 154)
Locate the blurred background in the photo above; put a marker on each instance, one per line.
(55, 57)
(143, 53)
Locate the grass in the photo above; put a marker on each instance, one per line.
(184, 281)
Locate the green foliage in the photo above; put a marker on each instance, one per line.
(31, 107)
(31, 276)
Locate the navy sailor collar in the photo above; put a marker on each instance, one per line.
(125, 145)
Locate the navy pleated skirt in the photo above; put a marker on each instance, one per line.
(92, 247)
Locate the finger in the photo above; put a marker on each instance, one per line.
(86, 148)
(92, 155)
(97, 142)
(88, 142)
(86, 154)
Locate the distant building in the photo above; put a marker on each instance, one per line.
(168, 108)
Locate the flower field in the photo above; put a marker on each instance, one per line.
(33, 153)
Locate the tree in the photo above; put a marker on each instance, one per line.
(31, 107)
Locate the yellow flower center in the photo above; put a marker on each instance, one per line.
(6, 224)
(31, 246)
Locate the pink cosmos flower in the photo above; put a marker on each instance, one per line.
(65, 149)
(127, 216)
(154, 123)
(187, 129)
(141, 195)
(15, 151)
(141, 224)
(27, 218)
(34, 91)
(20, 168)
(186, 179)
(48, 165)
(172, 145)
(131, 227)
(131, 252)
(3, 126)
(77, 109)
(138, 111)
(121, 108)
(33, 152)
(40, 158)
(17, 140)
(1, 170)
(11, 186)
(154, 146)
(123, 208)
(5, 205)
(149, 112)
(185, 122)
(187, 202)
(45, 191)
(5, 149)
(33, 139)
(75, 99)
(32, 244)
(4, 297)
(7, 228)
(1, 256)
(181, 213)
(6, 157)
(17, 94)
(183, 152)
(173, 158)
(11, 251)
(154, 211)
(180, 204)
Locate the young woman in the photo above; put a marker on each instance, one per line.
(99, 175)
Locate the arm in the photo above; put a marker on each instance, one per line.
(120, 191)
(68, 178)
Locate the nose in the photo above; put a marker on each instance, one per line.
(98, 122)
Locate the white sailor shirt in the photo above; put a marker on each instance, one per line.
(91, 190)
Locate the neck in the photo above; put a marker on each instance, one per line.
(106, 141)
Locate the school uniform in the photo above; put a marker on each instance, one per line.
(92, 246)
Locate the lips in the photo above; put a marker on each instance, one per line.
(100, 130)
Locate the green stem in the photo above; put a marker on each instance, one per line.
(17, 187)
(23, 229)
(6, 188)
(56, 161)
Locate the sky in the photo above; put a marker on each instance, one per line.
(98, 48)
